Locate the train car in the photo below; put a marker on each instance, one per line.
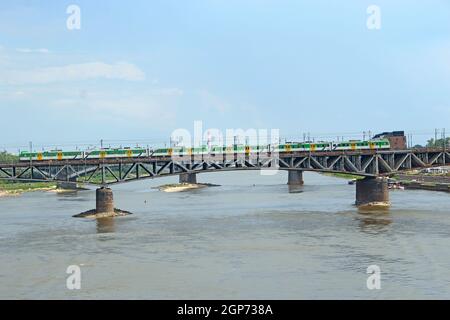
(116, 153)
(50, 155)
(363, 145)
(180, 151)
(59, 155)
(312, 146)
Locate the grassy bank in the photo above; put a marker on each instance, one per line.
(19, 187)
(347, 176)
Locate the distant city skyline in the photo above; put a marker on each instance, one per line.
(136, 71)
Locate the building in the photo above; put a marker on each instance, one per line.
(396, 139)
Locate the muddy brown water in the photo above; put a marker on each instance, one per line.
(247, 238)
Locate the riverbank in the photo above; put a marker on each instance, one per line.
(180, 187)
(422, 178)
(424, 182)
(17, 188)
(11, 189)
(427, 186)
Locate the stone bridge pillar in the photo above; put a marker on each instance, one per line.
(372, 192)
(188, 178)
(71, 184)
(295, 178)
(104, 200)
(104, 206)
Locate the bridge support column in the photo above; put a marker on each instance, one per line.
(69, 185)
(104, 208)
(295, 178)
(372, 192)
(104, 200)
(188, 178)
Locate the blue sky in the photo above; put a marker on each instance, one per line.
(137, 70)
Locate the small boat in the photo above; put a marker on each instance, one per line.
(396, 186)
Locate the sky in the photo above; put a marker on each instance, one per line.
(136, 71)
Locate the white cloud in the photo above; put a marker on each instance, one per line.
(28, 50)
(120, 108)
(73, 72)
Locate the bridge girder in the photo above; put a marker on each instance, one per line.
(113, 171)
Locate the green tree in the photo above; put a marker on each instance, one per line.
(438, 142)
(6, 157)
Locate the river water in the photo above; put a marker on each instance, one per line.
(246, 239)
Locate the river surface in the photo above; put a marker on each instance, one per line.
(246, 239)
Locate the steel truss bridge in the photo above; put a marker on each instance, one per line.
(370, 163)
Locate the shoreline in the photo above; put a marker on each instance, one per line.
(424, 182)
(19, 191)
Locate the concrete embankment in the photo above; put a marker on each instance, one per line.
(427, 186)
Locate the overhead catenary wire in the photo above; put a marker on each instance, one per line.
(419, 136)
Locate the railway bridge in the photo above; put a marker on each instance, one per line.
(373, 165)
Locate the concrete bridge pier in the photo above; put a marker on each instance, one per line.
(295, 178)
(104, 200)
(188, 178)
(104, 206)
(372, 192)
(71, 184)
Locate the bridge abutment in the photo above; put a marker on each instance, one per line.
(295, 178)
(372, 192)
(188, 178)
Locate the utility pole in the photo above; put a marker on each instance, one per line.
(31, 150)
(443, 139)
(31, 159)
(101, 143)
(435, 136)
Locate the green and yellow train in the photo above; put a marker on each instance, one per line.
(106, 153)
(92, 154)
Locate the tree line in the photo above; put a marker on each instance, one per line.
(438, 142)
(7, 157)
